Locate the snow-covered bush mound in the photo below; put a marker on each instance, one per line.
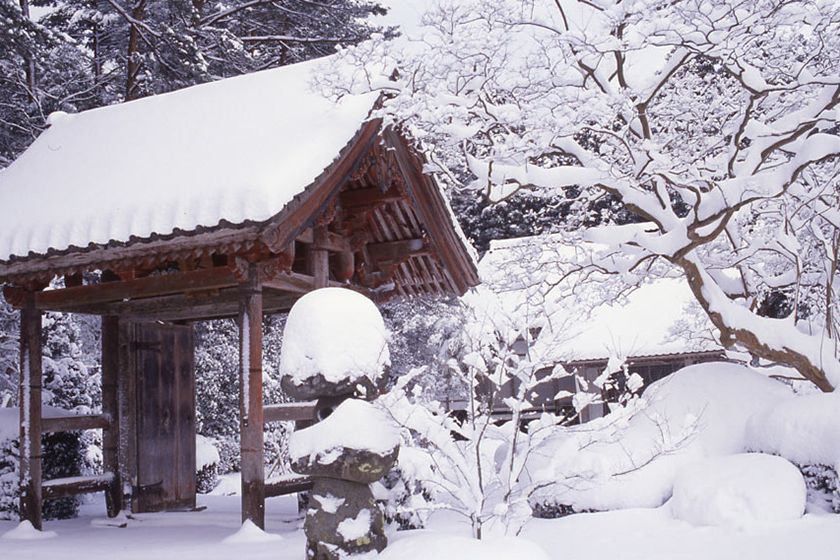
(622, 461)
(426, 545)
(337, 334)
(738, 490)
(207, 461)
(803, 429)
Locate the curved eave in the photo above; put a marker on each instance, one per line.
(179, 243)
(450, 258)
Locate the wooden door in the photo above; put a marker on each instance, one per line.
(165, 417)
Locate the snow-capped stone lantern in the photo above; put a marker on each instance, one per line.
(335, 350)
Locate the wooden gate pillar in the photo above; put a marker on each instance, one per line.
(111, 409)
(31, 367)
(320, 258)
(251, 400)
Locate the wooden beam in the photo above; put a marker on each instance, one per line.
(111, 410)
(73, 486)
(198, 306)
(291, 411)
(75, 423)
(330, 241)
(282, 486)
(293, 282)
(391, 251)
(30, 413)
(250, 400)
(367, 197)
(70, 299)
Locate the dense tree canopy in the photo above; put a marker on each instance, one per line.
(714, 121)
(72, 55)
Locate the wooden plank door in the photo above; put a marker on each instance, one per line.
(165, 417)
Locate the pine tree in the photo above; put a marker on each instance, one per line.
(71, 379)
(88, 53)
(9, 348)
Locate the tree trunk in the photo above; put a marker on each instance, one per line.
(28, 62)
(133, 62)
(732, 332)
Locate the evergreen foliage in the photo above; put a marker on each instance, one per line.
(82, 54)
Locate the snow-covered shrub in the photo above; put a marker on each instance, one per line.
(62, 458)
(823, 487)
(206, 465)
(9, 353)
(738, 490)
(805, 429)
(405, 500)
(498, 350)
(630, 457)
(9, 495)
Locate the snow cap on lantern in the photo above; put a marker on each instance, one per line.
(334, 342)
(357, 442)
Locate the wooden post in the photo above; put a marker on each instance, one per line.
(320, 257)
(250, 400)
(30, 413)
(111, 409)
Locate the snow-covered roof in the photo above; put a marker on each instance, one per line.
(227, 152)
(600, 318)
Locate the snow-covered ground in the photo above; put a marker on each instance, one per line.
(648, 534)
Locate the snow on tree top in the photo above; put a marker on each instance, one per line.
(232, 151)
(337, 333)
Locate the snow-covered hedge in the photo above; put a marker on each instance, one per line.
(805, 430)
(630, 458)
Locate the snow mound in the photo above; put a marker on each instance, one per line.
(337, 333)
(697, 412)
(251, 534)
(803, 429)
(355, 424)
(26, 532)
(739, 490)
(426, 544)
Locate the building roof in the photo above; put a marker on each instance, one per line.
(600, 318)
(232, 151)
(243, 168)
